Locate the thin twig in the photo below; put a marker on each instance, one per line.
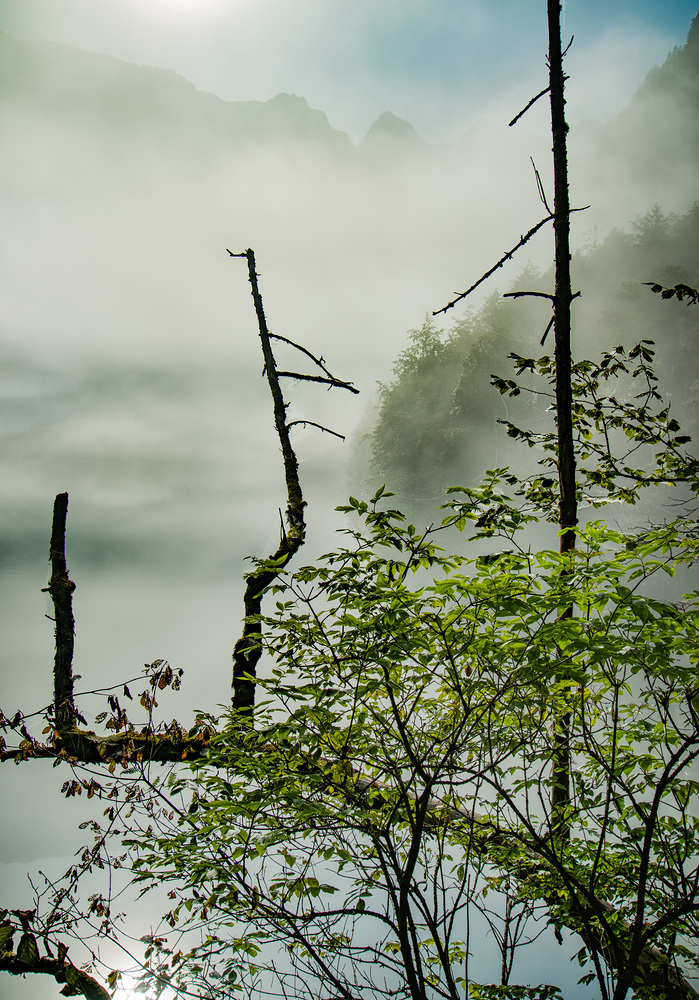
(312, 423)
(507, 256)
(320, 362)
(540, 186)
(524, 110)
(546, 331)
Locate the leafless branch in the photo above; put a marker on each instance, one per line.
(538, 295)
(320, 362)
(524, 110)
(540, 187)
(312, 423)
(546, 331)
(332, 381)
(503, 260)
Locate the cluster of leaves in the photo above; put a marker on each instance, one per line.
(609, 431)
(28, 956)
(679, 292)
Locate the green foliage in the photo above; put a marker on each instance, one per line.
(491, 992)
(412, 413)
(609, 432)
(400, 761)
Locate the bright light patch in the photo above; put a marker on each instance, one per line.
(124, 989)
(190, 7)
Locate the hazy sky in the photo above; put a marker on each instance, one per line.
(437, 63)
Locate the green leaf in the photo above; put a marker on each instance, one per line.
(27, 950)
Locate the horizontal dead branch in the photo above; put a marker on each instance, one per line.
(332, 381)
(78, 983)
(538, 295)
(81, 746)
(320, 362)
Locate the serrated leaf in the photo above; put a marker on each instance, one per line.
(27, 950)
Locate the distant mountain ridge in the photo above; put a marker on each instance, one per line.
(659, 127)
(55, 79)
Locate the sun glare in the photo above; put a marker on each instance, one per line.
(190, 6)
(125, 990)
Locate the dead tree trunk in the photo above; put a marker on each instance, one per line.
(563, 296)
(61, 588)
(247, 652)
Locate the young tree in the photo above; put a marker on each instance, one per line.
(403, 759)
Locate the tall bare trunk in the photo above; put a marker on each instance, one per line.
(568, 509)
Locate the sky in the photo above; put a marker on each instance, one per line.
(436, 63)
(130, 375)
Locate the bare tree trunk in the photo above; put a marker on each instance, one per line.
(61, 589)
(247, 650)
(563, 296)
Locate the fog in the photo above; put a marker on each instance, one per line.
(131, 372)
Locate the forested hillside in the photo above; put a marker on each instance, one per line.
(654, 142)
(437, 420)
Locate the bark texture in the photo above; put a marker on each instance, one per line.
(61, 588)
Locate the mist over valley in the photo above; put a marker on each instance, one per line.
(130, 350)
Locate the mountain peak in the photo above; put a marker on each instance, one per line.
(292, 116)
(390, 130)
